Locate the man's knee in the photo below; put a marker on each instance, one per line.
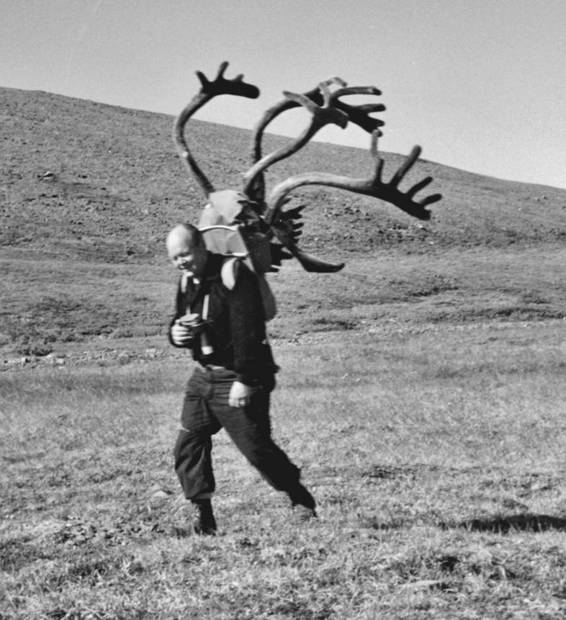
(190, 442)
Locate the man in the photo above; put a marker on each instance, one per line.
(220, 317)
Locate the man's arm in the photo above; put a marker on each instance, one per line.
(179, 335)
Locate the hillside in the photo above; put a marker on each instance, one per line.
(83, 179)
(421, 390)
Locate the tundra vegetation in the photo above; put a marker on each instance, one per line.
(422, 391)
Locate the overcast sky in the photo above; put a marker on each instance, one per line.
(480, 84)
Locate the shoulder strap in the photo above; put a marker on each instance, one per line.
(229, 273)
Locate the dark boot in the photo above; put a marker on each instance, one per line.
(303, 501)
(205, 522)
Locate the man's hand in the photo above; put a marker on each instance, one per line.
(181, 335)
(239, 394)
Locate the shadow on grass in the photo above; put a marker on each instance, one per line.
(497, 525)
(502, 525)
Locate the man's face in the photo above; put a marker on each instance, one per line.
(187, 256)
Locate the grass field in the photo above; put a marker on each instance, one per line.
(422, 390)
(427, 416)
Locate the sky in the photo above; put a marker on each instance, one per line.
(479, 84)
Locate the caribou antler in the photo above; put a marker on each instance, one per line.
(250, 210)
(326, 107)
(209, 89)
(359, 114)
(372, 186)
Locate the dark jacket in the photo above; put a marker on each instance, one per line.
(236, 325)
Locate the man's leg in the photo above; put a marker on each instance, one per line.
(250, 429)
(193, 452)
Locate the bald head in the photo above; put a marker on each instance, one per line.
(186, 249)
(182, 238)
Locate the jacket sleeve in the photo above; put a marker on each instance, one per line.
(247, 327)
(180, 310)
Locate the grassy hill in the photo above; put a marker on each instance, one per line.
(421, 392)
(89, 192)
(116, 186)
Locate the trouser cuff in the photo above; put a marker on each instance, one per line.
(201, 497)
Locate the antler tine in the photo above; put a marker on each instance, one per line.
(406, 166)
(400, 174)
(222, 69)
(421, 185)
(373, 186)
(357, 90)
(209, 89)
(221, 86)
(374, 151)
(324, 88)
(360, 114)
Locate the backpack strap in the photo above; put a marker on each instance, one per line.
(229, 273)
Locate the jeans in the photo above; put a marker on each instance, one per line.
(206, 411)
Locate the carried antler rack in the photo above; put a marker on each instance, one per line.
(325, 105)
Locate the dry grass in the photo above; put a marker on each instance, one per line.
(48, 301)
(436, 457)
(422, 392)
